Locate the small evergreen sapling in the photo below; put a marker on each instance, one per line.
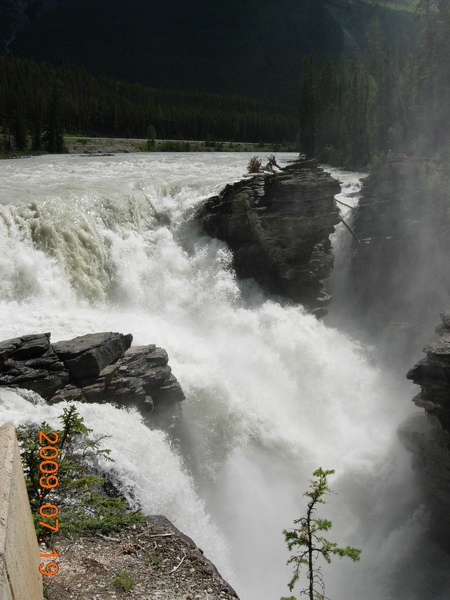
(308, 542)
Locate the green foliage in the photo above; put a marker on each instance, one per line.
(124, 581)
(79, 494)
(353, 110)
(310, 544)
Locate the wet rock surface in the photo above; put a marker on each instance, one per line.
(99, 367)
(278, 226)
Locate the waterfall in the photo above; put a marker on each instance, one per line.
(110, 244)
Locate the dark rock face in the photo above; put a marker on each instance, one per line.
(99, 367)
(278, 227)
(426, 435)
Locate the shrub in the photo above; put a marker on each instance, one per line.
(124, 581)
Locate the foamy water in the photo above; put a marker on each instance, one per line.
(110, 244)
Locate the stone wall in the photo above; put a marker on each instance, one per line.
(20, 578)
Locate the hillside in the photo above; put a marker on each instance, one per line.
(253, 48)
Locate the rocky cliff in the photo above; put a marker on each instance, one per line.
(395, 286)
(278, 227)
(427, 435)
(99, 367)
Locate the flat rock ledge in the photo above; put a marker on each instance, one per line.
(427, 434)
(278, 227)
(97, 367)
(161, 564)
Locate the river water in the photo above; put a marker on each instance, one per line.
(94, 244)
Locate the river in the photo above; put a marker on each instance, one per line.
(94, 244)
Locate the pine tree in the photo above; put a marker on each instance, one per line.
(310, 544)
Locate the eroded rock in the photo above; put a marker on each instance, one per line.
(278, 227)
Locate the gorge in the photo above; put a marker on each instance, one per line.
(112, 244)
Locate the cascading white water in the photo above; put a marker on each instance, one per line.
(109, 244)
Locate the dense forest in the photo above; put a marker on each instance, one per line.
(354, 110)
(39, 103)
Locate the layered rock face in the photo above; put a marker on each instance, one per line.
(99, 367)
(278, 227)
(427, 435)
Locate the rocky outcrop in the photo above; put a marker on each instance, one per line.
(98, 367)
(278, 226)
(427, 435)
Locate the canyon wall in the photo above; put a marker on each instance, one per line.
(398, 284)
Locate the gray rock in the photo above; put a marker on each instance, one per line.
(445, 316)
(97, 367)
(27, 346)
(278, 228)
(87, 355)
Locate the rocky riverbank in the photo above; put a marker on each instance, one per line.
(89, 146)
(278, 226)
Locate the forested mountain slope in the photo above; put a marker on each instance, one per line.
(253, 48)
